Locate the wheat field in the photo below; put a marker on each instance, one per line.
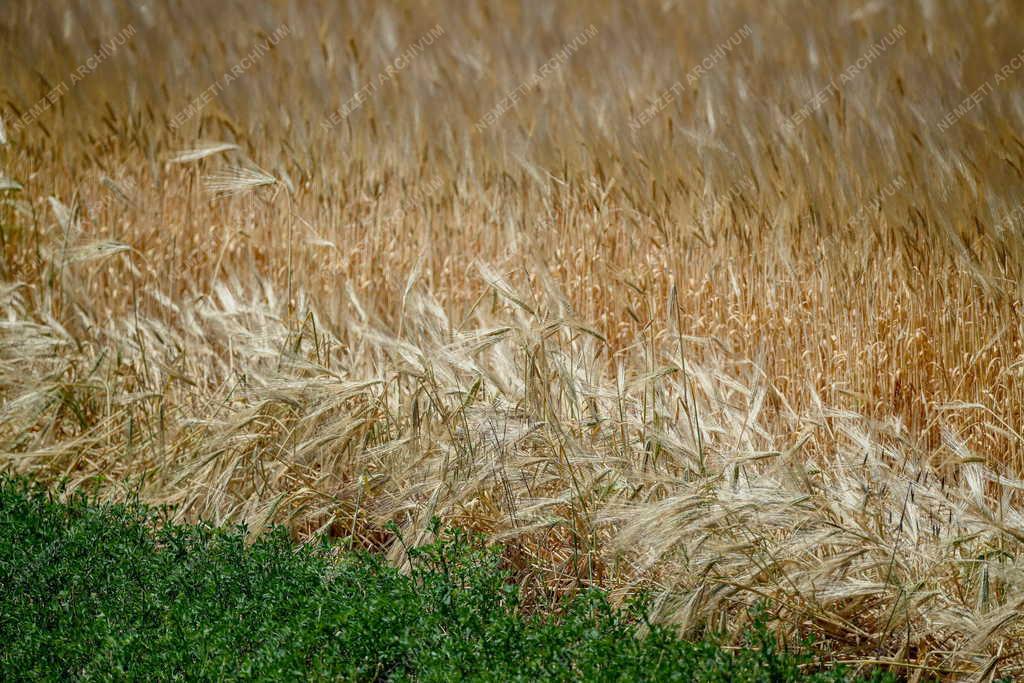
(716, 300)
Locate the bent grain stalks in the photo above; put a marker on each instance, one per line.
(727, 356)
(694, 479)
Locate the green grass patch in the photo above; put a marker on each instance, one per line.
(91, 591)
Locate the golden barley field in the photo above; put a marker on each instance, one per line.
(719, 300)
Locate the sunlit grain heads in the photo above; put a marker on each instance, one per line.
(701, 356)
(201, 152)
(8, 184)
(235, 180)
